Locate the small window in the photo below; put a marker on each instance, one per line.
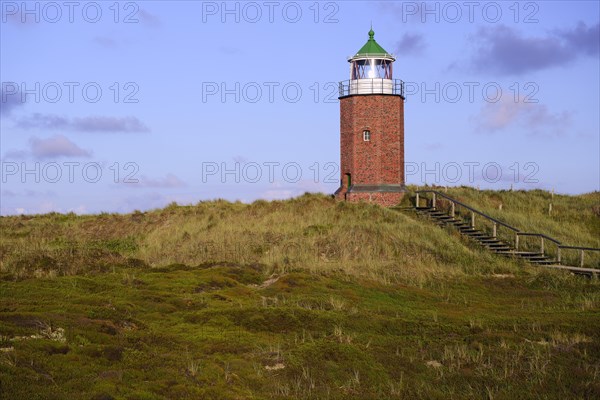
(367, 136)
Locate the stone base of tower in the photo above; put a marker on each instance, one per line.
(385, 195)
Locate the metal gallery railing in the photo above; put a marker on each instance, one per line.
(371, 86)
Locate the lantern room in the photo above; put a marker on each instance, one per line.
(370, 68)
(371, 61)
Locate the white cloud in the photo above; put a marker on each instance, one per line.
(56, 146)
(535, 119)
(167, 182)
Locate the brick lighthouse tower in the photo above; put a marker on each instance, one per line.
(372, 129)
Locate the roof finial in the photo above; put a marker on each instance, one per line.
(371, 33)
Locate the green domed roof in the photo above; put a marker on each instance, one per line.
(372, 48)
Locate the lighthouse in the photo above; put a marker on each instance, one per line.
(371, 129)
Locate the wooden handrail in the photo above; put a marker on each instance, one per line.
(579, 248)
(517, 231)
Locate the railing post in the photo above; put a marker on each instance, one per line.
(452, 210)
(517, 241)
(472, 220)
(581, 258)
(494, 230)
(558, 254)
(417, 200)
(542, 246)
(433, 201)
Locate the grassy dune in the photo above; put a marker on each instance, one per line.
(304, 298)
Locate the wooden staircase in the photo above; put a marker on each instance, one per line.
(497, 236)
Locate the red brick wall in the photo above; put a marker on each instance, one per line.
(381, 160)
(383, 199)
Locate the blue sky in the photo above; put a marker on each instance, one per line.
(116, 106)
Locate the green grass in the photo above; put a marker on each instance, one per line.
(305, 298)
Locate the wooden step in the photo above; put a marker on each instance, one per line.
(459, 224)
(496, 245)
(487, 239)
(501, 250)
(474, 234)
(468, 229)
(449, 221)
(437, 214)
(492, 244)
(543, 262)
(532, 257)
